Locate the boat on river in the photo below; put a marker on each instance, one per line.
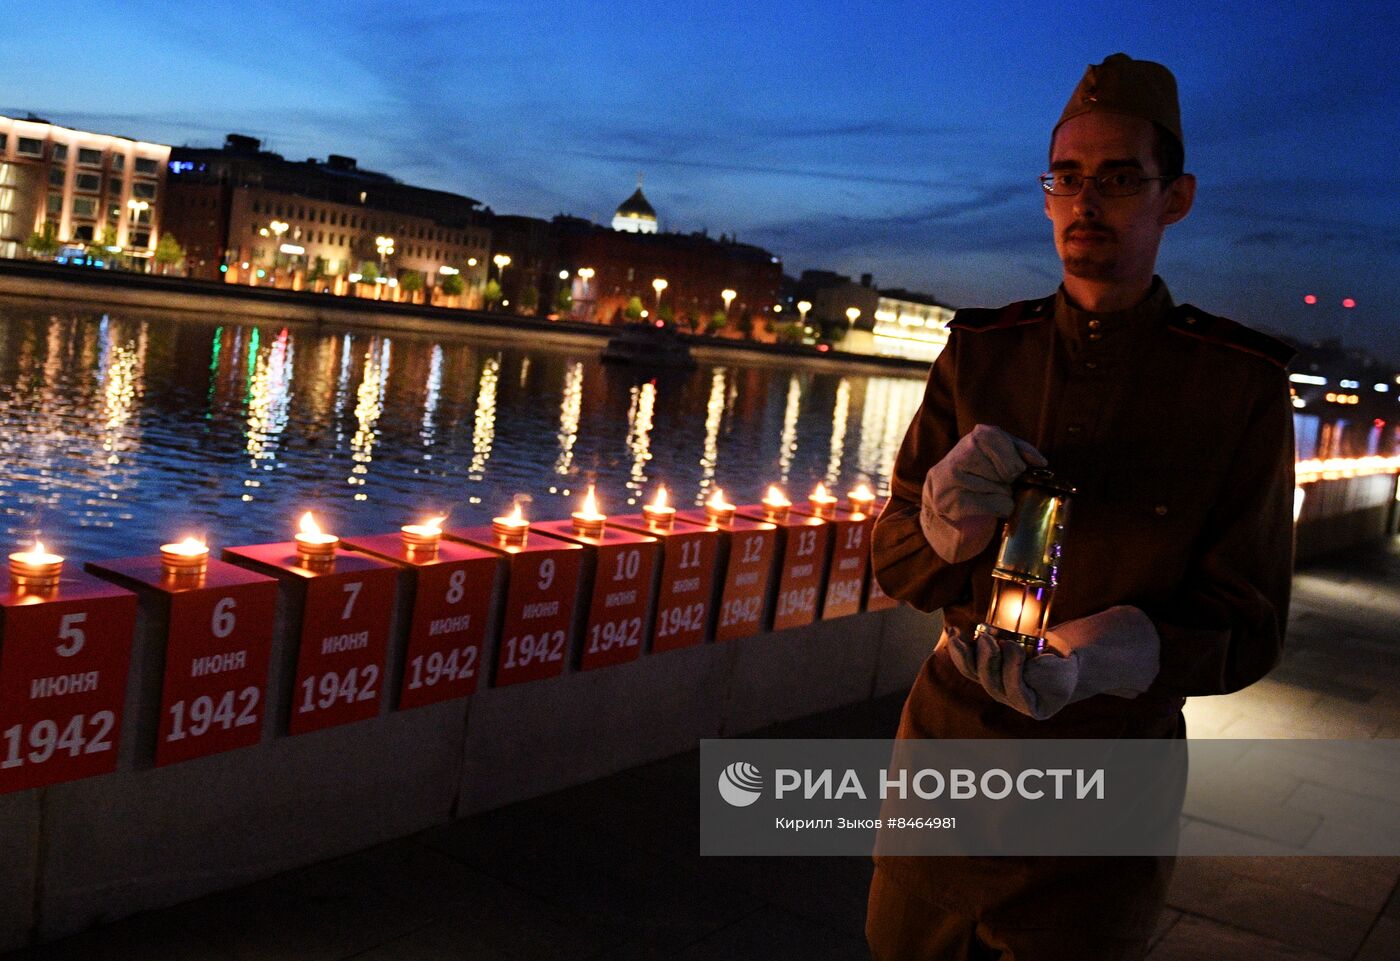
(647, 345)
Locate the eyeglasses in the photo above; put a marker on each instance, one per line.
(1123, 183)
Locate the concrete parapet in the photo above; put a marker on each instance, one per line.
(1340, 513)
(91, 851)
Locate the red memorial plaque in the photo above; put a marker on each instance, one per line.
(683, 600)
(850, 561)
(804, 545)
(453, 588)
(541, 590)
(64, 658)
(875, 598)
(344, 634)
(750, 548)
(624, 568)
(218, 639)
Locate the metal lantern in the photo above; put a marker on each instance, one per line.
(1027, 567)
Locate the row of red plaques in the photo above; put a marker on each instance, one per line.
(556, 597)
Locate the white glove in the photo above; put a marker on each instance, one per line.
(1118, 651)
(1036, 686)
(1112, 652)
(970, 489)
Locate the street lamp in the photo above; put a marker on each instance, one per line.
(385, 246)
(852, 314)
(502, 261)
(586, 274)
(658, 285)
(278, 228)
(802, 307)
(728, 296)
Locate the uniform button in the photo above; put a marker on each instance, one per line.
(1091, 364)
(1160, 510)
(1075, 428)
(1095, 324)
(1096, 336)
(1190, 320)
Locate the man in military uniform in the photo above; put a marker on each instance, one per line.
(1175, 427)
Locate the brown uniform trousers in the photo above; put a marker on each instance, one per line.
(1176, 429)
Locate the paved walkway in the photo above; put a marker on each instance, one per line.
(609, 870)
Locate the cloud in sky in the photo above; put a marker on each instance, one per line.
(900, 138)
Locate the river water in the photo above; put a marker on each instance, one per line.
(122, 431)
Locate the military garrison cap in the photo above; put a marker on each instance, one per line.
(1138, 88)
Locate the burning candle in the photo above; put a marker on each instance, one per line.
(588, 520)
(1018, 609)
(512, 528)
(189, 556)
(775, 504)
(423, 537)
(35, 567)
(718, 509)
(658, 513)
(862, 499)
(822, 502)
(312, 544)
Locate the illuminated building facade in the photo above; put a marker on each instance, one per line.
(697, 270)
(92, 188)
(910, 325)
(247, 215)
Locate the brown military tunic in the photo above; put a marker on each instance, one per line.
(1176, 428)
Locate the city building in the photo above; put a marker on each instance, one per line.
(910, 325)
(95, 193)
(524, 256)
(683, 278)
(838, 306)
(248, 215)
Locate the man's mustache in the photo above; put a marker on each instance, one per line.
(1080, 227)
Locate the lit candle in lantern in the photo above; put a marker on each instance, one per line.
(822, 502)
(718, 509)
(312, 544)
(658, 513)
(776, 504)
(423, 537)
(1018, 610)
(512, 528)
(588, 520)
(189, 556)
(862, 499)
(1028, 563)
(35, 567)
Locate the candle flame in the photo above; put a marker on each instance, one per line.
(590, 503)
(660, 500)
(776, 498)
(191, 545)
(309, 525)
(517, 515)
(717, 500)
(434, 524)
(862, 493)
(38, 547)
(820, 493)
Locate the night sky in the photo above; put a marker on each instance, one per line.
(900, 139)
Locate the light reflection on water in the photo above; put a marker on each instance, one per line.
(123, 431)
